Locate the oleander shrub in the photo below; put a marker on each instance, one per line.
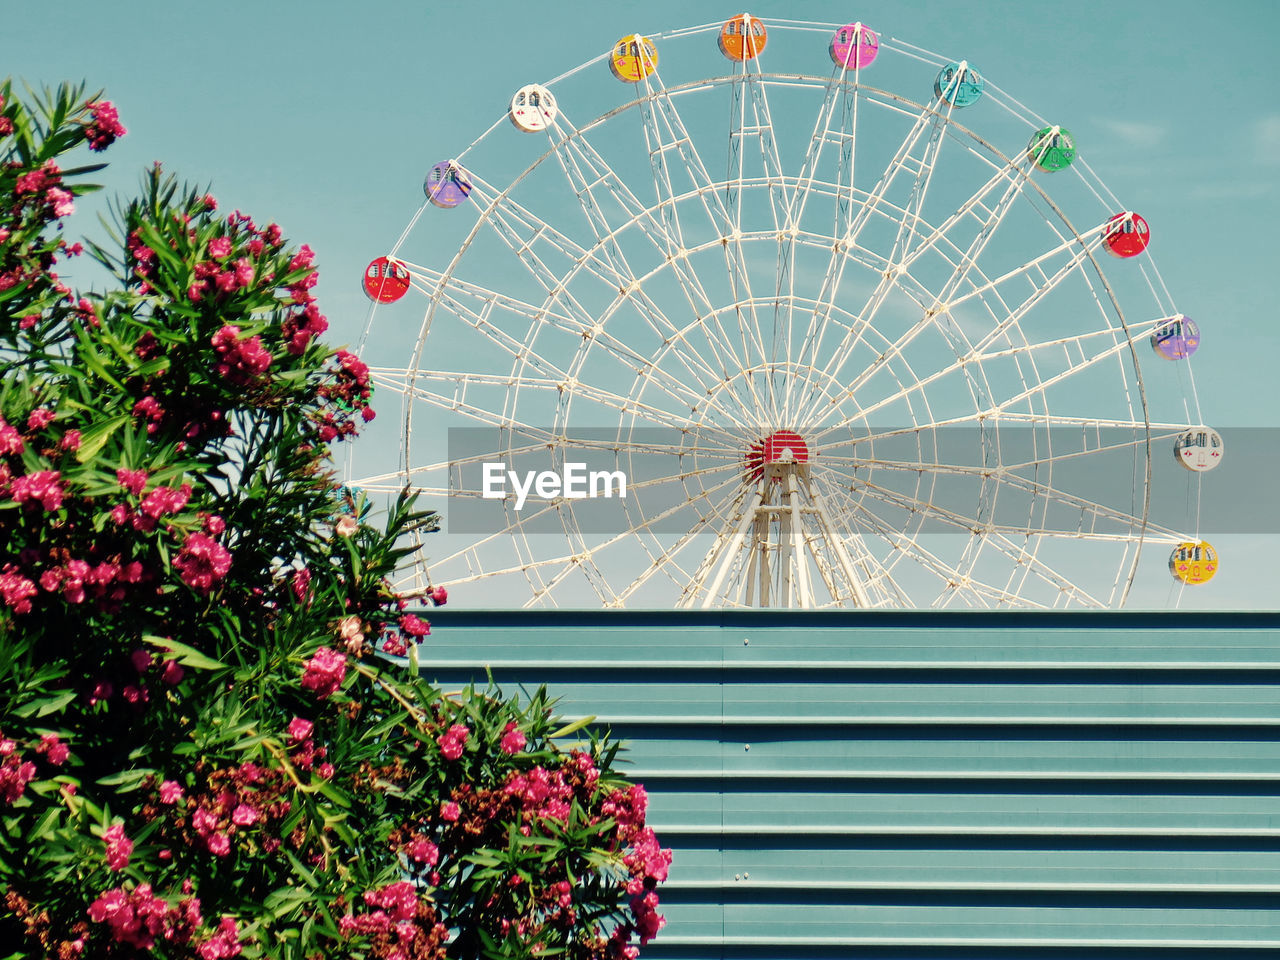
(214, 741)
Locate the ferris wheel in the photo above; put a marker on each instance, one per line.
(782, 314)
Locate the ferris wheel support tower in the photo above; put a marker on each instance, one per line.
(784, 549)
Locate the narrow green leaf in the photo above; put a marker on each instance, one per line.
(126, 779)
(571, 728)
(94, 439)
(187, 656)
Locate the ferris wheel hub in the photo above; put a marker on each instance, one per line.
(779, 447)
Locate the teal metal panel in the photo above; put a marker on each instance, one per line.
(940, 785)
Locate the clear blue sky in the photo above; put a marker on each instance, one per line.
(325, 118)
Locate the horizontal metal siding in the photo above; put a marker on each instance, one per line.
(931, 785)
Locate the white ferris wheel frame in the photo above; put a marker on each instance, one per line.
(794, 536)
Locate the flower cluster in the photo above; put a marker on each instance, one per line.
(202, 563)
(242, 360)
(399, 926)
(16, 590)
(137, 917)
(105, 127)
(646, 862)
(324, 672)
(228, 805)
(15, 772)
(453, 740)
(119, 847)
(349, 391)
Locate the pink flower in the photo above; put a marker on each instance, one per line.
(304, 258)
(413, 626)
(141, 660)
(244, 815)
(394, 645)
(172, 673)
(301, 584)
(219, 247)
(15, 589)
(15, 774)
(346, 526)
(133, 481)
(300, 729)
(422, 850)
(243, 360)
(349, 627)
(204, 822)
(225, 943)
(43, 487)
(513, 739)
(10, 441)
(119, 847)
(166, 500)
(39, 418)
(450, 811)
(62, 201)
(219, 844)
(170, 792)
(324, 672)
(439, 596)
(202, 562)
(453, 740)
(70, 440)
(325, 770)
(54, 749)
(244, 272)
(105, 127)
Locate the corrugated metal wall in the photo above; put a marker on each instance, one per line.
(932, 785)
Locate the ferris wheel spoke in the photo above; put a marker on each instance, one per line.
(478, 307)
(532, 240)
(525, 234)
(666, 559)
(841, 90)
(418, 385)
(1080, 248)
(760, 126)
(412, 384)
(666, 135)
(965, 523)
(1008, 183)
(955, 582)
(1092, 517)
(920, 169)
(1011, 321)
(855, 565)
(850, 531)
(589, 175)
(1068, 590)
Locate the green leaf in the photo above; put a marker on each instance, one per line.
(45, 824)
(46, 705)
(187, 656)
(571, 728)
(126, 779)
(95, 438)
